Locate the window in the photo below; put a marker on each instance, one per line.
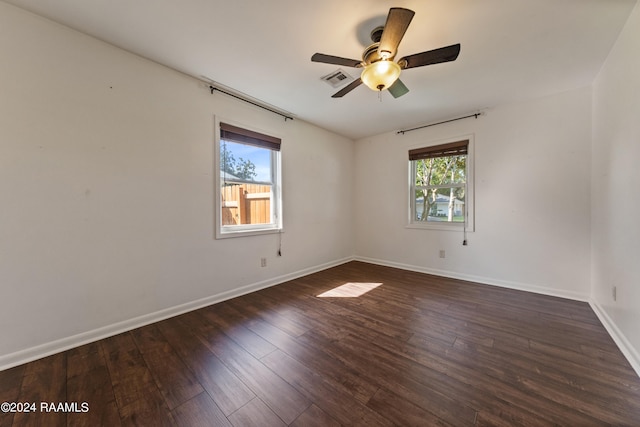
(441, 186)
(248, 177)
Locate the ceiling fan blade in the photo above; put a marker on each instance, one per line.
(398, 21)
(436, 56)
(336, 60)
(348, 88)
(397, 89)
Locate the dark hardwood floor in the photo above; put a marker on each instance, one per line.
(415, 350)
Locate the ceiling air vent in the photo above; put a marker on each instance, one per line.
(337, 78)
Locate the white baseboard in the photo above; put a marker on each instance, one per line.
(33, 353)
(618, 337)
(577, 296)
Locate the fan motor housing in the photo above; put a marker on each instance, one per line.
(370, 54)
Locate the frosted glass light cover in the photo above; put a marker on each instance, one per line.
(380, 75)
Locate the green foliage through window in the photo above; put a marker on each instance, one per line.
(240, 168)
(440, 188)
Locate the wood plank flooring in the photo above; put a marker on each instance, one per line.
(410, 350)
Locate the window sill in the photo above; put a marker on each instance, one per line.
(443, 226)
(227, 234)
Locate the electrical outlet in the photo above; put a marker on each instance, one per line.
(614, 293)
(263, 262)
(442, 253)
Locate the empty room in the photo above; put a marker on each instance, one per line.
(249, 213)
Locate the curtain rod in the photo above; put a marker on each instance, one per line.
(214, 88)
(439, 123)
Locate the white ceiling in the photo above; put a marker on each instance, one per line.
(511, 50)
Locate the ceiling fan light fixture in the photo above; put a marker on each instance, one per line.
(380, 70)
(380, 75)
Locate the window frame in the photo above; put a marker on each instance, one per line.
(229, 231)
(469, 223)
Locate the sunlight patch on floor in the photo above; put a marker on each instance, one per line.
(350, 290)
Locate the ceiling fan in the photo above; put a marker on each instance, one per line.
(380, 72)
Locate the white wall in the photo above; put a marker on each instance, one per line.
(532, 199)
(106, 188)
(615, 184)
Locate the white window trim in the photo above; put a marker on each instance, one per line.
(225, 232)
(469, 224)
